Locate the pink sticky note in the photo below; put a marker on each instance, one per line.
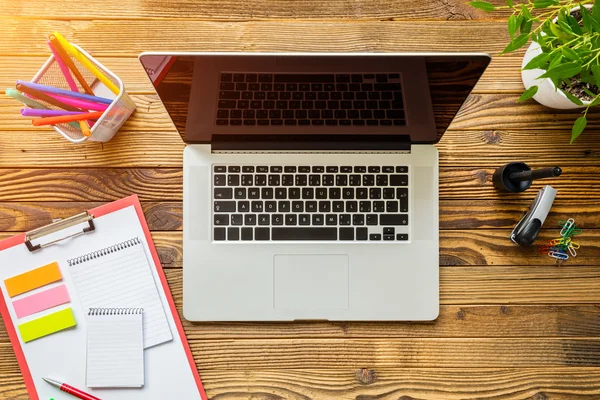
(41, 301)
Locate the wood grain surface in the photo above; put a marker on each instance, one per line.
(512, 325)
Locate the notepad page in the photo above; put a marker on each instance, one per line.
(123, 279)
(115, 351)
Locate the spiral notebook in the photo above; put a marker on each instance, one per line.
(119, 276)
(115, 348)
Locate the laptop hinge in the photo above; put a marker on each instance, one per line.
(310, 143)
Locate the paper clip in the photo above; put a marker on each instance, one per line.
(566, 226)
(572, 251)
(559, 255)
(543, 249)
(574, 245)
(561, 241)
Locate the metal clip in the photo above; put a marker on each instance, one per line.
(58, 226)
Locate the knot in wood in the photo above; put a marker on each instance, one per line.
(365, 376)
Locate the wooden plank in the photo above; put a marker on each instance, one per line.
(165, 184)
(502, 76)
(255, 10)
(454, 214)
(130, 37)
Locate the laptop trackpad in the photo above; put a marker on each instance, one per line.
(313, 282)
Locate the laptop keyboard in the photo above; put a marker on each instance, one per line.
(308, 203)
(252, 99)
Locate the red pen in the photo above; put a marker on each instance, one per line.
(71, 390)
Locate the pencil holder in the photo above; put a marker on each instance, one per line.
(111, 120)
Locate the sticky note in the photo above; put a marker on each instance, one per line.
(47, 325)
(33, 279)
(41, 301)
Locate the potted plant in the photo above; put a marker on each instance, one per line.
(561, 68)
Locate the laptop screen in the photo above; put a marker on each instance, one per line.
(261, 97)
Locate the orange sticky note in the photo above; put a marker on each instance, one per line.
(33, 279)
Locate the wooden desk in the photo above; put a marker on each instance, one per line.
(511, 324)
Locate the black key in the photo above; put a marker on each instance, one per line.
(308, 193)
(386, 96)
(316, 87)
(398, 180)
(248, 168)
(329, 87)
(355, 180)
(276, 122)
(260, 95)
(262, 168)
(304, 87)
(331, 219)
(281, 105)
(264, 219)
(229, 95)
(270, 206)
(378, 206)
(388, 237)
(257, 206)
(375, 193)
(402, 170)
(375, 236)
(389, 231)
(360, 169)
(250, 219)
(311, 78)
(338, 206)
(222, 114)
(402, 195)
(238, 77)
(382, 180)
(221, 219)
(323, 95)
(340, 114)
(388, 193)
(291, 219)
(342, 78)
(277, 219)
(320, 193)
(333, 104)
(298, 96)
(237, 219)
(254, 86)
(243, 104)
(358, 219)
(294, 193)
(356, 78)
(220, 168)
(240, 193)
(247, 180)
(368, 180)
(287, 180)
(335, 96)
(295, 105)
(253, 193)
(281, 193)
(249, 113)
(275, 114)
(260, 180)
(288, 115)
(402, 236)
(364, 206)
(331, 169)
(351, 206)
(262, 114)
(219, 180)
(314, 114)
(314, 180)
(347, 96)
(318, 219)
(373, 96)
(391, 206)
(251, 78)
(358, 122)
(249, 122)
(290, 87)
(381, 77)
(226, 77)
(222, 122)
(233, 233)
(341, 87)
(303, 169)
(372, 219)
(267, 193)
(366, 87)
(379, 114)
(311, 206)
(301, 180)
(327, 114)
(310, 96)
(362, 193)
(373, 169)
(372, 122)
(242, 86)
(297, 206)
(304, 234)
(341, 180)
(391, 114)
(304, 219)
(266, 87)
(219, 234)
(247, 233)
(346, 233)
(393, 219)
(366, 114)
(385, 122)
(223, 193)
(348, 193)
(361, 233)
(346, 169)
(265, 77)
(284, 206)
(243, 206)
(325, 206)
(345, 219)
(388, 169)
(289, 169)
(261, 233)
(274, 180)
(279, 87)
(335, 193)
(224, 206)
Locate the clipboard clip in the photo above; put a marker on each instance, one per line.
(58, 226)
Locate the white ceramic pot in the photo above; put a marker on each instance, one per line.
(547, 93)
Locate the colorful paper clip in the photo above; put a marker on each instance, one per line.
(561, 247)
(559, 255)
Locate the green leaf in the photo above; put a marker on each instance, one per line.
(596, 10)
(589, 21)
(595, 102)
(512, 25)
(574, 25)
(589, 93)
(569, 53)
(544, 3)
(578, 127)
(556, 61)
(526, 26)
(561, 35)
(538, 61)
(482, 5)
(563, 71)
(596, 73)
(574, 100)
(529, 93)
(510, 3)
(516, 43)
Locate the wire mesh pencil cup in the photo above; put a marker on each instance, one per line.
(111, 120)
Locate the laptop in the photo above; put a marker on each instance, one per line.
(311, 180)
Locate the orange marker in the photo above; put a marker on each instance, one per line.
(67, 60)
(65, 118)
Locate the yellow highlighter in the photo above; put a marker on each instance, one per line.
(86, 63)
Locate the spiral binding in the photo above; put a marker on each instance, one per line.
(104, 252)
(115, 311)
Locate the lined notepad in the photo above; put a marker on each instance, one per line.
(115, 348)
(120, 276)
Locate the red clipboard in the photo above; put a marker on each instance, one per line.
(98, 212)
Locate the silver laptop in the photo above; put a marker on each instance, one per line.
(311, 180)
